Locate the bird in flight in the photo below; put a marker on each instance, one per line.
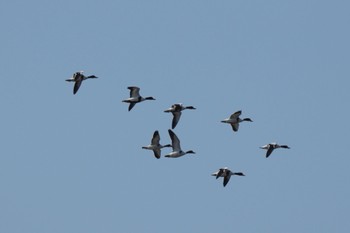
(176, 109)
(271, 146)
(78, 78)
(135, 97)
(226, 174)
(234, 120)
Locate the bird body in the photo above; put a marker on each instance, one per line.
(78, 78)
(226, 174)
(175, 143)
(155, 146)
(176, 109)
(271, 146)
(234, 120)
(135, 97)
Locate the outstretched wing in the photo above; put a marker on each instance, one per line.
(177, 107)
(156, 138)
(226, 180)
(156, 153)
(77, 85)
(175, 142)
(269, 151)
(220, 173)
(236, 115)
(176, 119)
(235, 126)
(134, 91)
(131, 105)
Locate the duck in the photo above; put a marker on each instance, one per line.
(234, 120)
(135, 97)
(155, 146)
(226, 173)
(78, 78)
(175, 143)
(176, 109)
(271, 146)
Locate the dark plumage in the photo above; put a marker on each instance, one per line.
(271, 147)
(78, 78)
(226, 174)
(135, 97)
(176, 109)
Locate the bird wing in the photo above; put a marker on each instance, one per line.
(175, 142)
(134, 91)
(219, 173)
(226, 179)
(177, 107)
(176, 119)
(131, 105)
(235, 126)
(156, 138)
(77, 75)
(77, 85)
(156, 153)
(269, 151)
(236, 115)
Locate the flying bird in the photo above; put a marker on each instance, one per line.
(176, 109)
(135, 97)
(78, 78)
(234, 120)
(226, 173)
(155, 146)
(271, 146)
(175, 143)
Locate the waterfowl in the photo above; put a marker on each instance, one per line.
(226, 173)
(135, 97)
(234, 120)
(78, 78)
(271, 146)
(176, 109)
(155, 146)
(175, 143)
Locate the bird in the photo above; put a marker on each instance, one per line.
(175, 143)
(135, 97)
(155, 146)
(234, 120)
(226, 173)
(78, 78)
(271, 146)
(176, 109)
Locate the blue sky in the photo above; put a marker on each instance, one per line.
(74, 163)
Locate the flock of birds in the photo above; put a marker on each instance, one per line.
(234, 120)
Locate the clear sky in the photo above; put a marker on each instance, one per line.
(74, 163)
